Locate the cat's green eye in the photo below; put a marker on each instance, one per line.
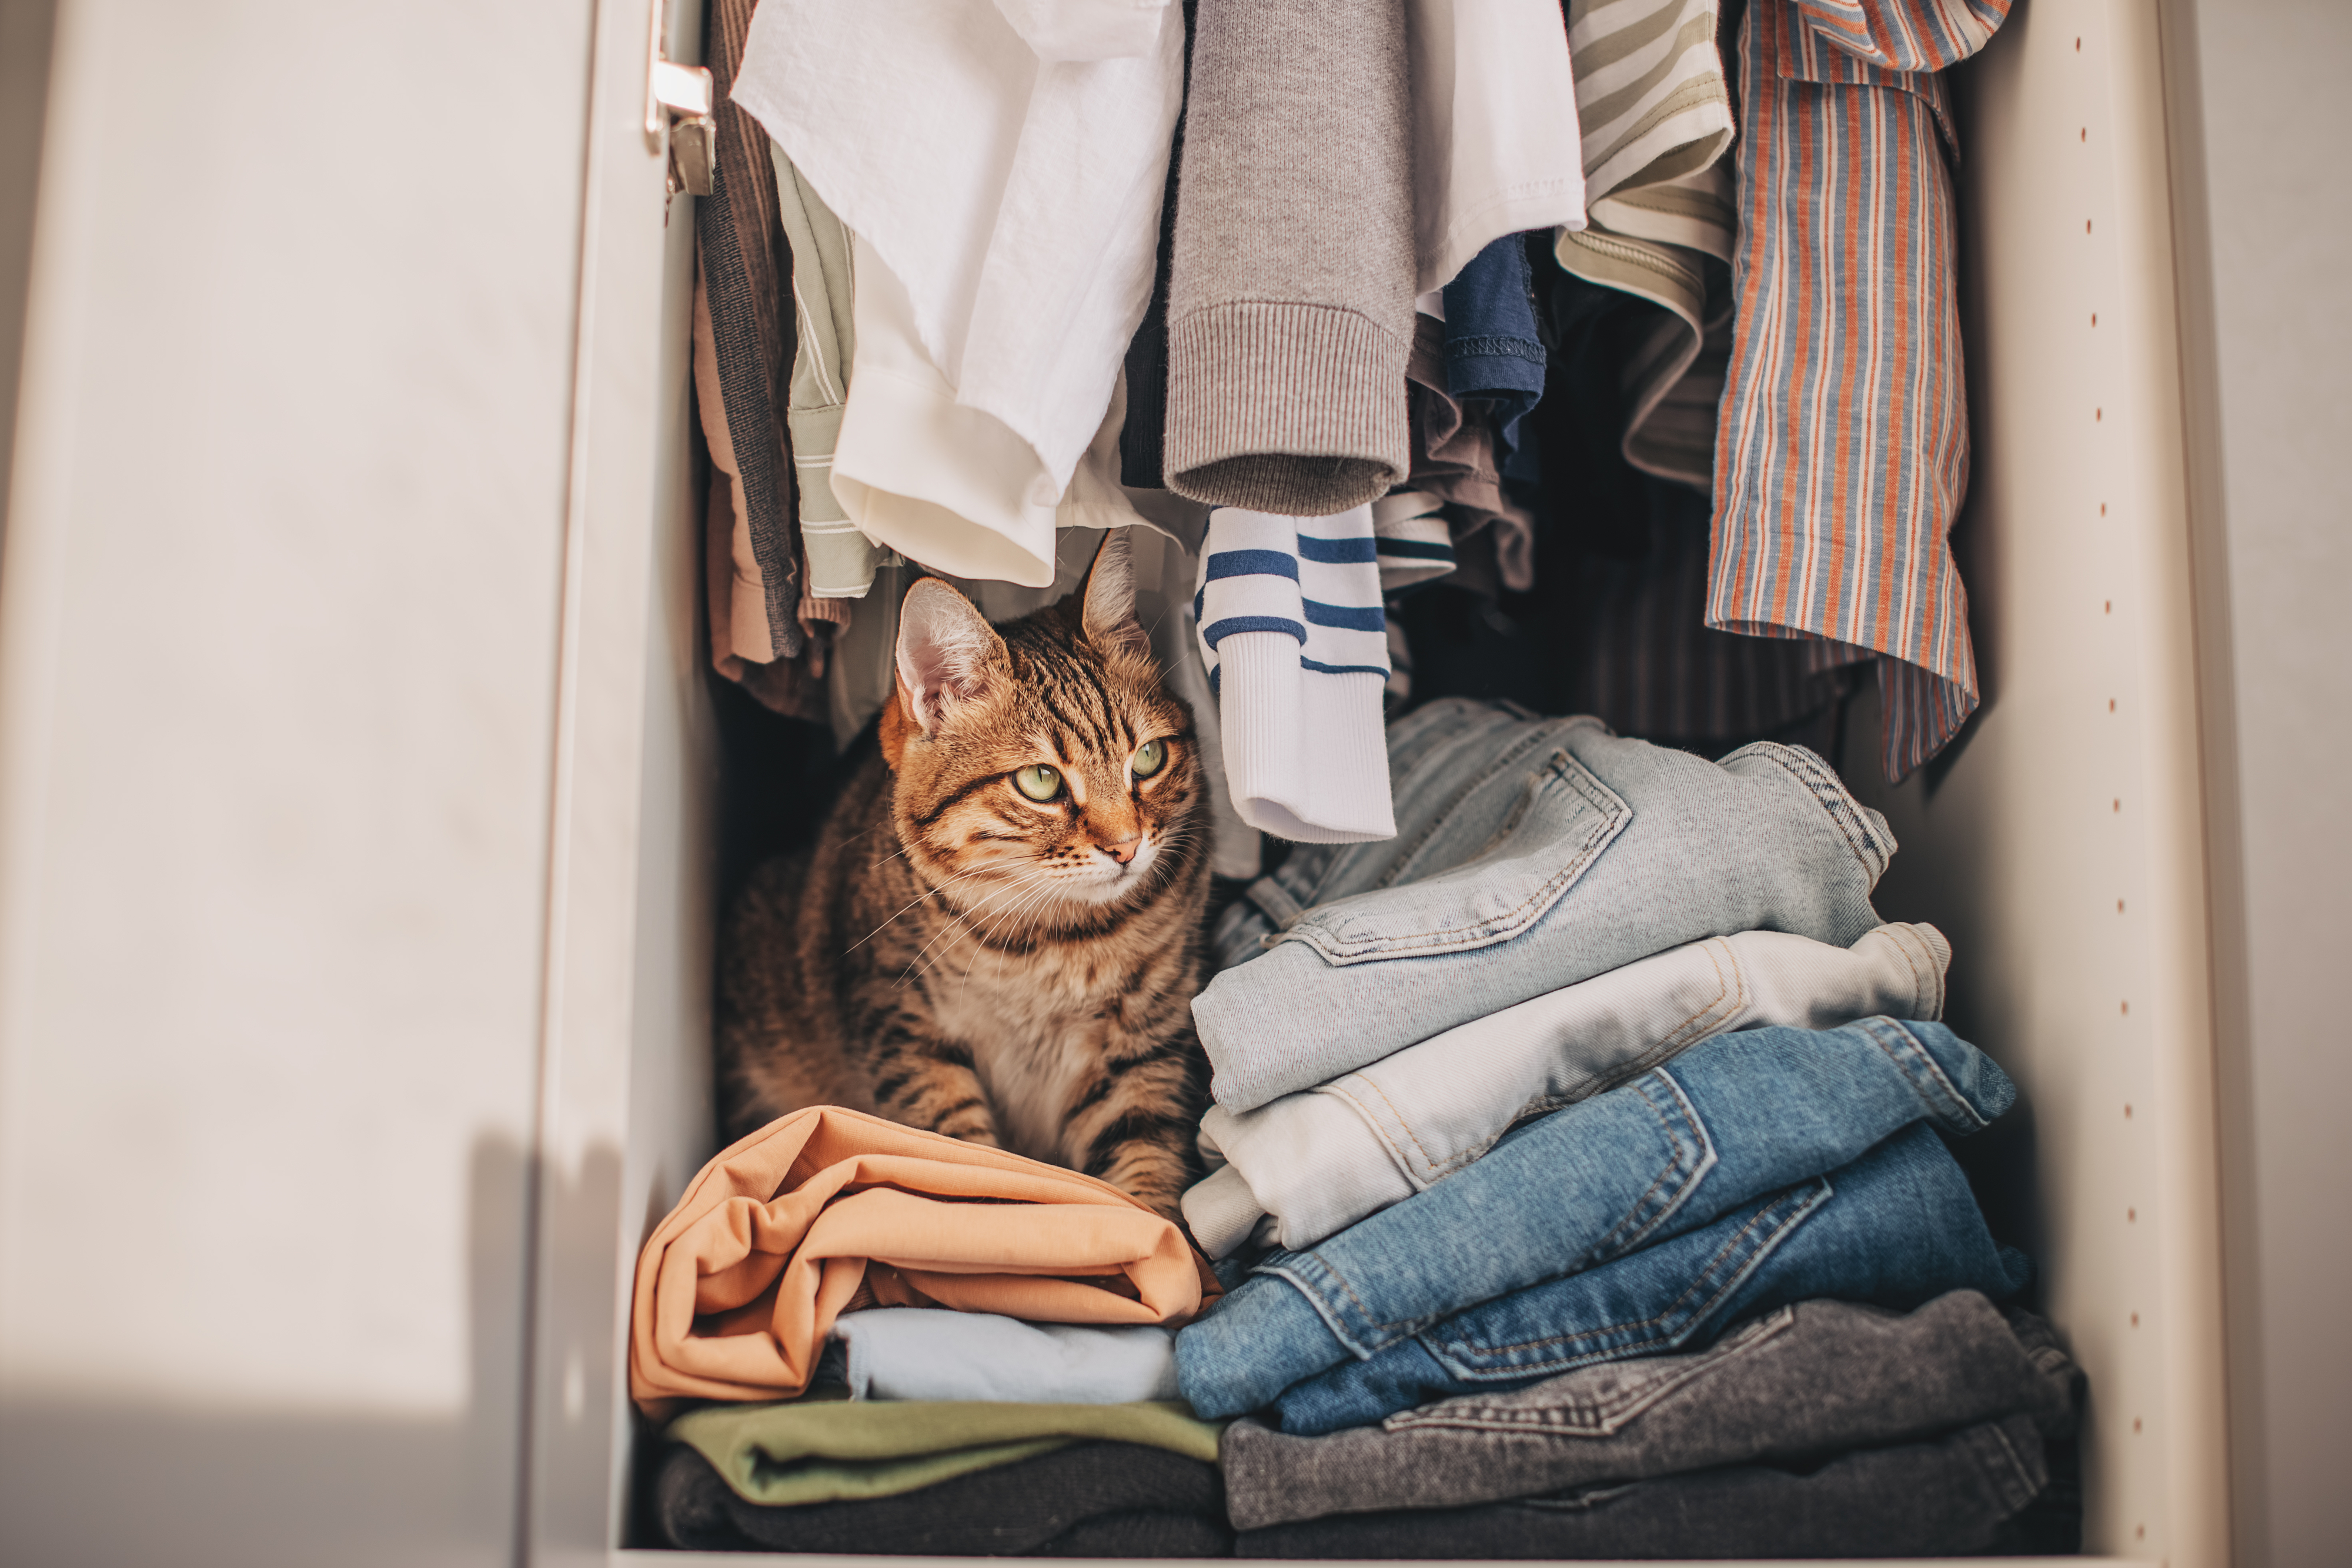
(1149, 758)
(1038, 781)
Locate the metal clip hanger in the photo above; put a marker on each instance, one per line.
(678, 104)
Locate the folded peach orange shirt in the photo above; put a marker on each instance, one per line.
(739, 1286)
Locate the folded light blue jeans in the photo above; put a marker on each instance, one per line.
(1895, 1229)
(1733, 1119)
(1530, 854)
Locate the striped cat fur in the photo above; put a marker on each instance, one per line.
(998, 934)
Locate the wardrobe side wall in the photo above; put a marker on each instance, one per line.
(2059, 841)
(624, 1101)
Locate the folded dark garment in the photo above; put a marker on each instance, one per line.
(1954, 1496)
(1089, 1500)
(1790, 1388)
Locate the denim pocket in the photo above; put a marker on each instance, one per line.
(1599, 1401)
(1564, 819)
(1506, 1339)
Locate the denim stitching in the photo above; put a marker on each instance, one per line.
(1595, 1083)
(1679, 1165)
(1612, 822)
(1762, 1217)
(1922, 962)
(1617, 1077)
(1427, 1161)
(2017, 1485)
(1364, 1323)
(1831, 795)
(1329, 1310)
(1916, 1062)
(1836, 801)
(1510, 757)
(1600, 1416)
(1722, 988)
(1807, 1200)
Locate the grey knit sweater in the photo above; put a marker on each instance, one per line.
(1290, 292)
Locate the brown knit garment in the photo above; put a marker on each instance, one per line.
(1290, 295)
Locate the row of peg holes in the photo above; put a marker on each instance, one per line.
(2131, 1216)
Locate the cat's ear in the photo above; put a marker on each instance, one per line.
(1106, 610)
(948, 653)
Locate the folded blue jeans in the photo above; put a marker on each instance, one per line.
(1895, 1229)
(1530, 854)
(1731, 1120)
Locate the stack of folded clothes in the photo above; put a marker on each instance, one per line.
(1580, 1189)
(1557, 1125)
(866, 1338)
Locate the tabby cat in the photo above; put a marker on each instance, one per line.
(997, 935)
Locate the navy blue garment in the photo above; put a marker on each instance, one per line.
(1895, 1229)
(1493, 353)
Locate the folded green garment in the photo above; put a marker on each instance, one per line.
(805, 1451)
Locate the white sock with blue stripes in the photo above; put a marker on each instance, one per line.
(1296, 644)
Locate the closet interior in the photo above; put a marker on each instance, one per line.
(2055, 841)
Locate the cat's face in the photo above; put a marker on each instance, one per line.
(1044, 771)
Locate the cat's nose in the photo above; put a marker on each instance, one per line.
(1124, 852)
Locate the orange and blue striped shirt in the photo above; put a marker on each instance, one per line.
(1842, 448)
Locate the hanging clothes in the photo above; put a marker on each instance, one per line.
(841, 559)
(1001, 168)
(742, 640)
(1842, 452)
(1496, 147)
(947, 484)
(1142, 442)
(1290, 295)
(1454, 460)
(740, 245)
(1493, 353)
(1626, 559)
(1657, 118)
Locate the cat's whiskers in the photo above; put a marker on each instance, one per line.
(926, 894)
(963, 918)
(1035, 898)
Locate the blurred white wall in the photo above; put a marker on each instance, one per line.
(2265, 245)
(278, 676)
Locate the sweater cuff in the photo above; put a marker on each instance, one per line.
(1293, 409)
(1306, 752)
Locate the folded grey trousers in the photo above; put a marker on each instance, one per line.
(1817, 1378)
(1946, 1497)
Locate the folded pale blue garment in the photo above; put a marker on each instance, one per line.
(1320, 1161)
(1730, 1120)
(928, 1352)
(1529, 854)
(1895, 1229)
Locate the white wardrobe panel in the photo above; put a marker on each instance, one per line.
(625, 1116)
(279, 622)
(2059, 841)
